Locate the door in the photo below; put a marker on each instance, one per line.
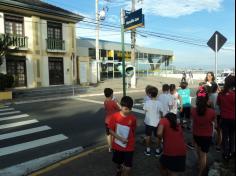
(16, 66)
(56, 71)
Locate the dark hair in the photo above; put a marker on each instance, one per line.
(147, 89)
(229, 83)
(127, 101)
(172, 119)
(172, 87)
(213, 76)
(165, 87)
(108, 92)
(183, 85)
(153, 92)
(214, 87)
(201, 101)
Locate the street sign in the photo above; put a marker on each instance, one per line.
(220, 42)
(133, 19)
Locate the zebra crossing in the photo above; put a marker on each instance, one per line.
(15, 127)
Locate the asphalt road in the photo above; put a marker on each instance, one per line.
(81, 123)
(71, 123)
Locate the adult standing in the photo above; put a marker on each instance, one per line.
(226, 102)
(190, 77)
(210, 78)
(183, 77)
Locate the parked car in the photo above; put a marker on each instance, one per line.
(221, 79)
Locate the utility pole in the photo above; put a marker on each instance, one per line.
(216, 54)
(122, 20)
(133, 46)
(97, 41)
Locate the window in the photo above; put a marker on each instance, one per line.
(92, 53)
(54, 31)
(14, 25)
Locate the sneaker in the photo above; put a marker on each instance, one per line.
(109, 150)
(190, 146)
(158, 153)
(188, 128)
(118, 173)
(218, 149)
(147, 153)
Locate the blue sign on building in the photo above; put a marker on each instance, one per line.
(133, 19)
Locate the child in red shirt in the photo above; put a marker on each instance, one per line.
(111, 106)
(122, 127)
(203, 119)
(226, 102)
(174, 149)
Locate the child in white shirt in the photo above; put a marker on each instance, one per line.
(154, 111)
(165, 99)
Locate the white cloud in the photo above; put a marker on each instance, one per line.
(173, 8)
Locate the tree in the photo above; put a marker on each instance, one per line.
(5, 43)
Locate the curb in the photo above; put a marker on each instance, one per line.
(69, 97)
(66, 161)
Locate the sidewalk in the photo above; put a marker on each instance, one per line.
(48, 94)
(97, 162)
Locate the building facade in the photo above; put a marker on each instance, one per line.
(44, 40)
(148, 59)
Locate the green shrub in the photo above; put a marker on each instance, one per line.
(6, 81)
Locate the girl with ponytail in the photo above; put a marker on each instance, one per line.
(174, 148)
(203, 118)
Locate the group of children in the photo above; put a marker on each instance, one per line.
(164, 118)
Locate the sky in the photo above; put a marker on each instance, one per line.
(195, 20)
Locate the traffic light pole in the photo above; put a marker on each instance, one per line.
(123, 50)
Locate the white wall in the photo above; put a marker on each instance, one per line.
(64, 35)
(2, 23)
(28, 31)
(44, 34)
(30, 71)
(82, 51)
(67, 74)
(195, 76)
(44, 71)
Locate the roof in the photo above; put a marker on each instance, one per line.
(110, 45)
(42, 7)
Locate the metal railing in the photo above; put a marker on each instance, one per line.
(15, 40)
(55, 44)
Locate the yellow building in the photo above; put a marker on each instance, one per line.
(44, 39)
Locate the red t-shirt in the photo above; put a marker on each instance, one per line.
(202, 125)
(111, 107)
(129, 121)
(173, 140)
(226, 102)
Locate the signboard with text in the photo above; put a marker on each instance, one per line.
(134, 19)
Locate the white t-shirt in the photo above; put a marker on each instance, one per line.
(153, 109)
(166, 102)
(174, 103)
(146, 98)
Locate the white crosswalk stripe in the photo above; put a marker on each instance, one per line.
(6, 109)
(17, 141)
(10, 125)
(31, 144)
(14, 117)
(8, 113)
(24, 132)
